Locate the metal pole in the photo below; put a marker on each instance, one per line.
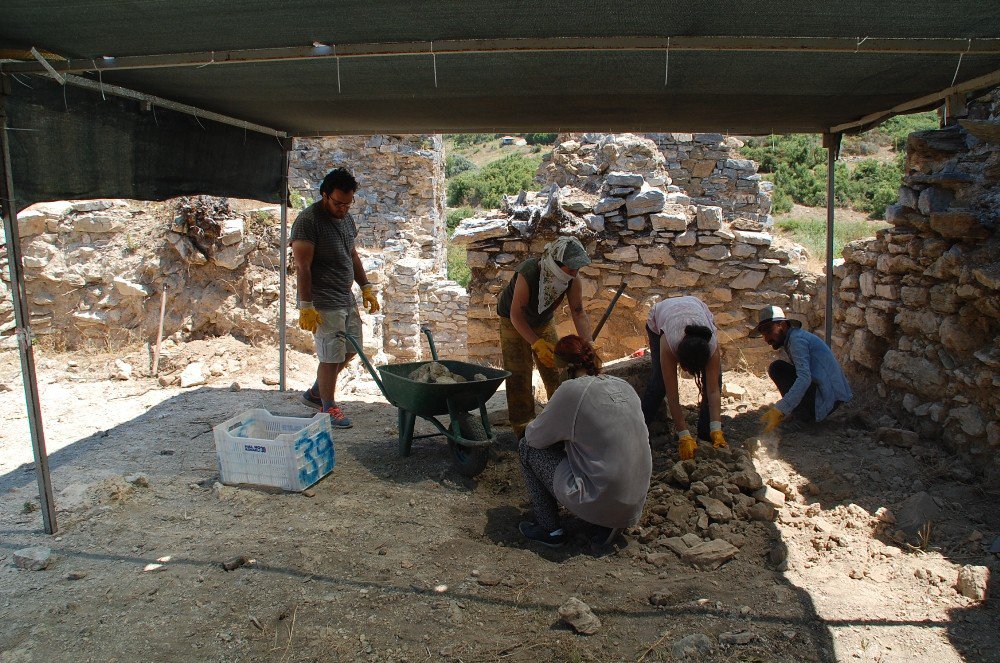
(832, 144)
(21, 320)
(282, 285)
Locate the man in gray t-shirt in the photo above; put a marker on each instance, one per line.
(327, 265)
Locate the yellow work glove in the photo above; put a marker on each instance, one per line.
(686, 447)
(545, 351)
(718, 439)
(771, 419)
(371, 301)
(309, 318)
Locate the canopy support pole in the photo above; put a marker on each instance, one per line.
(283, 262)
(22, 331)
(832, 144)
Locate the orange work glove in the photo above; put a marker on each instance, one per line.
(545, 351)
(718, 439)
(771, 419)
(371, 301)
(686, 447)
(309, 317)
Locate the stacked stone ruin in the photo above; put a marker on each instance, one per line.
(618, 198)
(94, 269)
(918, 307)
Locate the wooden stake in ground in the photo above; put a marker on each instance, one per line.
(159, 331)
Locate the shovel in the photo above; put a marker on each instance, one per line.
(607, 312)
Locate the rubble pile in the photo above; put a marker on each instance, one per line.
(701, 509)
(434, 373)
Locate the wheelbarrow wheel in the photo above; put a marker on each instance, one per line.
(469, 461)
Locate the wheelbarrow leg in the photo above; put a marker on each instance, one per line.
(406, 421)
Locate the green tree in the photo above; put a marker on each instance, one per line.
(489, 184)
(455, 164)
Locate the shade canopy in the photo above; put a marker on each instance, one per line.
(307, 67)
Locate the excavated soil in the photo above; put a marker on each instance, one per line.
(403, 559)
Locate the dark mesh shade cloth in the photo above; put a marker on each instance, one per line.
(71, 144)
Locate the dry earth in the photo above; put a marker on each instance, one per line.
(397, 559)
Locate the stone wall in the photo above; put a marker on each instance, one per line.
(918, 306)
(639, 227)
(94, 269)
(708, 167)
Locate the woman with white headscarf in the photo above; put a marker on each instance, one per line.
(527, 330)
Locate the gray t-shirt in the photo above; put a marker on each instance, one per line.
(605, 476)
(333, 248)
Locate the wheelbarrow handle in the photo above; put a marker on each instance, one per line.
(430, 340)
(371, 369)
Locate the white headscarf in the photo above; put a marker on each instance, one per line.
(552, 280)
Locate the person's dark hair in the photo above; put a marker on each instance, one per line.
(340, 179)
(694, 351)
(578, 353)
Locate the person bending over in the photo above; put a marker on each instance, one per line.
(588, 451)
(682, 332)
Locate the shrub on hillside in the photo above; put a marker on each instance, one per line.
(473, 139)
(486, 186)
(456, 216)
(455, 164)
(540, 139)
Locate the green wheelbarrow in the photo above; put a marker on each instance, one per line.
(469, 437)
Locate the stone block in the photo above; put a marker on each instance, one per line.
(753, 238)
(747, 279)
(709, 218)
(970, 419)
(721, 294)
(688, 238)
(130, 289)
(934, 199)
(594, 221)
(741, 250)
(636, 223)
(974, 582)
(944, 299)
(618, 178)
(913, 296)
(958, 224)
(35, 558)
(96, 224)
(673, 221)
(710, 555)
(31, 222)
(879, 323)
(648, 201)
(476, 229)
(770, 496)
(680, 279)
(232, 231)
(656, 255)
(626, 254)
(706, 267)
(717, 252)
(916, 511)
(910, 373)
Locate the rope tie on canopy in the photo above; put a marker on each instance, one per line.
(666, 63)
(857, 47)
(337, 58)
(211, 61)
(100, 79)
(434, 61)
(959, 65)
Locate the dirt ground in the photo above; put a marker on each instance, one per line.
(403, 559)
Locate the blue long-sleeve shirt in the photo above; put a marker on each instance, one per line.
(814, 363)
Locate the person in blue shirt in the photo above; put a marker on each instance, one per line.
(813, 385)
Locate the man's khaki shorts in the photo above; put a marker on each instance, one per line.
(331, 348)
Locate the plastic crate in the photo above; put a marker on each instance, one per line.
(260, 448)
